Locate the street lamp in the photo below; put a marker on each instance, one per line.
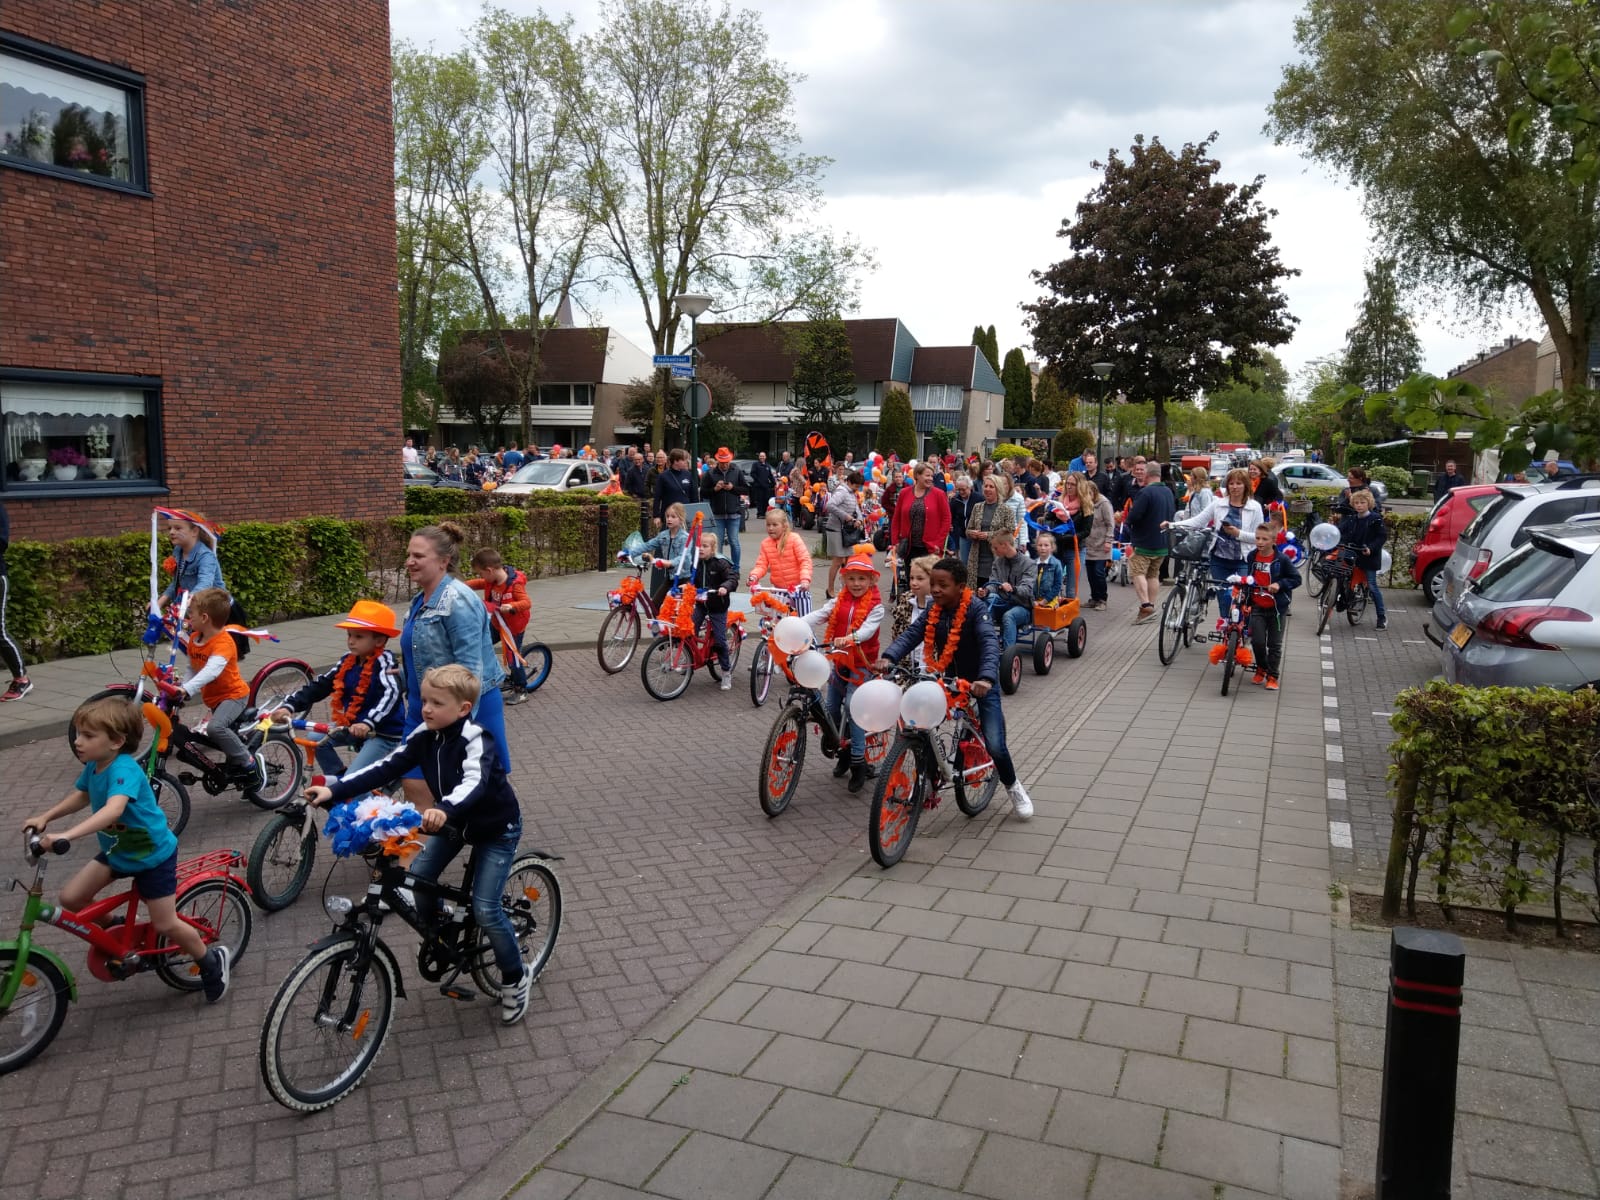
(691, 305)
(1102, 370)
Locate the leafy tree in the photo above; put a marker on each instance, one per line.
(1258, 401)
(1052, 407)
(721, 428)
(1018, 382)
(479, 387)
(1071, 443)
(897, 430)
(942, 439)
(1381, 348)
(986, 341)
(1173, 279)
(823, 389)
(1319, 418)
(696, 175)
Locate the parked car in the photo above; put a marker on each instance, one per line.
(556, 474)
(1290, 456)
(1293, 476)
(1449, 517)
(1504, 524)
(1533, 619)
(418, 475)
(1535, 472)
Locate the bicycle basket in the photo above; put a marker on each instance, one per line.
(1191, 545)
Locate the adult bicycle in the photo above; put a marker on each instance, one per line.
(1343, 587)
(1184, 609)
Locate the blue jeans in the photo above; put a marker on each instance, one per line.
(1377, 596)
(1221, 568)
(727, 531)
(369, 752)
(838, 696)
(1008, 614)
(1095, 569)
(719, 632)
(963, 547)
(994, 735)
(488, 881)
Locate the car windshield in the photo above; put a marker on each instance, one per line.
(1478, 528)
(548, 473)
(1537, 571)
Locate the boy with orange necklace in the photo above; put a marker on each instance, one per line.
(958, 638)
(850, 621)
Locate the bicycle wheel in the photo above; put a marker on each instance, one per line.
(877, 747)
(532, 902)
(275, 681)
(536, 661)
(326, 1025)
(35, 1014)
(1355, 605)
(897, 801)
(735, 645)
(782, 760)
(666, 667)
(280, 861)
(173, 799)
(619, 638)
(1169, 639)
(1325, 607)
(220, 910)
(975, 775)
(762, 669)
(1229, 649)
(285, 769)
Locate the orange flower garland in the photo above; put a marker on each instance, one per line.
(345, 714)
(863, 611)
(940, 663)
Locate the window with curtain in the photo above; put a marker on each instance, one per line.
(79, 433)
(67, 116)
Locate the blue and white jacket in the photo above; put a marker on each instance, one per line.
(380, 707)
(461, 766)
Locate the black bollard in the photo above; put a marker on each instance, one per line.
(604, 553)
(1416, 1120)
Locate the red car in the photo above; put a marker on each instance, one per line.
(1451, 514)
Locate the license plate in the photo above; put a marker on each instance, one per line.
(1460, 635)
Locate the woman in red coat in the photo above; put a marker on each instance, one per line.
(921, 521)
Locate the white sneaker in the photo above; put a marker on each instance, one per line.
(727, 682)
(1021, 803)
(514, 999)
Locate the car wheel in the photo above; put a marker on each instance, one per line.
(1433, 583)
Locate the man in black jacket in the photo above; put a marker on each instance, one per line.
(1450, 479)
(725, 486)
(674, 485)
(762, 484)
(1093, 473)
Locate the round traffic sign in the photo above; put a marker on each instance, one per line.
(696, 401)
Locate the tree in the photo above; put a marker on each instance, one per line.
(1381, 348)
(1072, 443)
(1018, 382)
(479, 387)
(943, 439)
(697, 178)
(1052, 407)
(897, 430)
(1258, 401)
(823, 388)
(1318, 419)
(986, 341)
(721, 428)
(1173, 280)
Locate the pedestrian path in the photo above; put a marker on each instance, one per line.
(1129, 996)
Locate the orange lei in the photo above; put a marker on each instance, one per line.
(940, 663)
(859, 618)
(345, 714)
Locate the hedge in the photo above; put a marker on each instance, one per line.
(1358, 455)
(1007, 450)
(1405, 530)
(1491, 798)
(88, 595)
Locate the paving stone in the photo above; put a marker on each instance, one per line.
(800, 936)
(1069, 1063)
(1512, 1097)
(868, 982)
(933, 958)
(617, 1148)
(935, 1152)
(1315, 983)
(1190, 910)
(817, 1126)
(1203, 934)
(913, 895)
(1011, 1169)
(1073, 947)
(1027, 887)
(918, 922)
(808, 1179)
(1256, 916)
(803, 971)
(1312, 1060)
(1102, 983)
(1174, 1083)
(714, 1045)
(648, 1088)
(1098, 896)
(1040, 1012)
(1137, 955)
(1128, 925)
(887, 1029)
(592, 1189)
(1518, 1053)
(706, 1167)
(1011, 934)
(861, 945)
(1529, 1155)
(734, 1001)
(795, 1012)
(903, 1084)
(1219, 1000)
(1221, 1151)
(1017, 970)
(976, 1047)
(976, 904)
(803, 1063)
(1310, 1170)
(1134, 1028)
(1272, 943)
(989, 1102)
(1221, 966)
(939, 995)
(1292, 1014)
(1268, 1102)
(1099, 1125)
(716, 1103)
(1555, 1002)
(835, 910)
(549, 1185)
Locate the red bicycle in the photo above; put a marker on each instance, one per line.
(1234, 651)
(680, 649)
(785, 753)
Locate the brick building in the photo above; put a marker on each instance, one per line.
(1507, 372)
(197, 262)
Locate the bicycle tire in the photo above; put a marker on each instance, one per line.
(1325, 608)
(379, 984)
(280, 844)
(1169, 638)
(173, 799)
(897, 801)
(36, 1012)
(619, 639)
(674, 664)
(532, 902)
(1230, 649)
(285, 771)
(973, 797)
(762, 669)
(1355, 605)
(782, 760)
(275, 681)
(536, 662)
(221, 912)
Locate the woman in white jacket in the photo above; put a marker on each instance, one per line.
(1234, 516)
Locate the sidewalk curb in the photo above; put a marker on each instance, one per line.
(519, 1161)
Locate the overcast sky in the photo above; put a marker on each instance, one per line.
(962, 134)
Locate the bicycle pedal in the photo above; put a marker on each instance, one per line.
(455, 992)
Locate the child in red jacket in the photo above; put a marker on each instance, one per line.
(505, 593)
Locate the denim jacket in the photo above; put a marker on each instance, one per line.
(450, 626)
(1050, 579)
(670, 546)
(197, 569)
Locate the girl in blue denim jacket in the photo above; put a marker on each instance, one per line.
(671, 544)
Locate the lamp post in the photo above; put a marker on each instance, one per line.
(691, 305)
(1102, 370)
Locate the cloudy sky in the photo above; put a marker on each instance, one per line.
(962, 132)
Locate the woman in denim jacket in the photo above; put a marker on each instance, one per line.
(447, 623)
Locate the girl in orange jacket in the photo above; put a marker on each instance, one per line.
(785, 557)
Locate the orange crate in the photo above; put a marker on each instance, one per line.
(1052, 616)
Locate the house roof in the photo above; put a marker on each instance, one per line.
(943, 364)
(566, 355)
(765, 353)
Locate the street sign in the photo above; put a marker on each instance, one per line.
(697, 401)
(683, 372)
(672, 360)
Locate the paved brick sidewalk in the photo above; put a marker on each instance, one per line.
(1129, 996)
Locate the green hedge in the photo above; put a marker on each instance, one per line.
(1492, 800)
(1007, 450)
(1358, 455)
(89, 595)
(1397, 481)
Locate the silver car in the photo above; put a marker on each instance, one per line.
(556, 474)
(1533, 619)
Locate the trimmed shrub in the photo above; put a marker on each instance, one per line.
(1358, 455)
(1398, 481)
(1010, 450)
(1072, 442)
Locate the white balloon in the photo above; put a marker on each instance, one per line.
(1325, 536)
(923, 705)
(792, 635)
(875, 705)
(1385, 562)
(811, 669)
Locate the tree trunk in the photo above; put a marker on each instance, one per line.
(1163, 442)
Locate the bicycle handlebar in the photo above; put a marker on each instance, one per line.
(35, 848)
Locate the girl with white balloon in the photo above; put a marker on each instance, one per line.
(1364, 534)
(849, 621)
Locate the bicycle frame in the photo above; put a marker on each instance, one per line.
(633, 592)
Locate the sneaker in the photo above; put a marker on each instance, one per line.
(19, 688)
(1021, 802)
(214, 973)
(1272, 683)
(727, 681)
(1258, 678)
(514, 999)
(512, 696)
(1382, 624)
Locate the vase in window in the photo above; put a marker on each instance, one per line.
(102, 466)
(63, 472)
(65, 463)
(30, 469)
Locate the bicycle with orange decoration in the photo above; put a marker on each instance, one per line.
(631, 612)
(680, 649)
(773, 605)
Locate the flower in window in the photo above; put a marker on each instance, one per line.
(68, 456)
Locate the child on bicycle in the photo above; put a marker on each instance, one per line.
(850, 621)
(505, 592)
(786, 559)
(363, 690)
(1271, 569)
(135, 841)
(672, 545)
(214, 661)
(1362, 535)
(957, 638)
(714, 584)
(1009, 592)
(461, 766)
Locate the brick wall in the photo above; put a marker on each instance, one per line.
(1509, 375)
(258, 281)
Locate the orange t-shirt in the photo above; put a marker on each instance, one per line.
(230, 685)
